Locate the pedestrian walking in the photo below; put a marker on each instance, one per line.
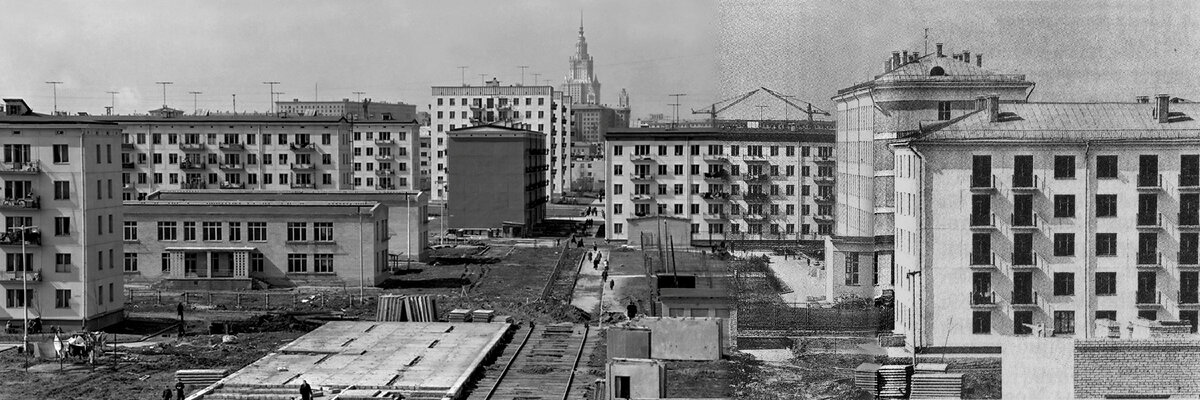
(166, 394)
(612, 284)
(305, 391)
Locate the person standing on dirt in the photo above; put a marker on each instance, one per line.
(179, 308)
(166, 394)
(179, 389)
(305, 391)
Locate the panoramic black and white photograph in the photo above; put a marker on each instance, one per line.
(600, 199)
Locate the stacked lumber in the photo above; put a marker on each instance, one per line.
(482, 315)
(931, 368)
(893, 381)
(936, 386)
(396, 308)
(866, 378)
(460, 315)
(202, 377)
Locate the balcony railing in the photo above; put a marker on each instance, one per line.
(757, 197)
(28, 202)
(232, 146)
(823, 160)
(1148, 298)
(823, 218)
(1022, 221)
(304, 186)
(1025, 182)
(828, 198)
(194, 185)
(126, 146)
(303, 167)
(1149, 182)
(1025, 299)
(824, 179)
(232, 167)
(754, 217)
(642, 197)
(128, 165)
(1189, 298)
(983, 299)
(302, 147)
(22, 276)
(715, 196)
(1149, 260)
(231, 185)
(128, 186)
(716, 216)
(983, 183)
(1189, 220)
(385, 187)
(1189, 183)
(983, 221)
(192, 146)
(385, 172)
(641, 177)
(716, 158)
(642, 158)
(983, 260)
(756, 178)
(384, 142)
(754, 158)
(1149, 221)
(191, 165)
(1025, 260)
(385, 157)
(21, 237)
(719, 175)
(21, 168)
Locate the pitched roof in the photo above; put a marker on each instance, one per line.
(952, 71)
(1068, 122)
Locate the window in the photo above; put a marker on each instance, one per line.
(1151, 315)
(1064, 283)
(62, 190)
(323, 232)
(852, 269)
(1107, 314)
(618, 228)
(981, 322)
(131, 262)
(62, 226)
(166, 230)
(62, 298)
(943, 110)
(15, 262)
(164, 263)
(256, 231)
(1106, 283)
(211, 231)
(15, 298)
(1106, 244)
(1064, 206)
(130, 231)
(1064, 167)
(1064, 322)
(235, 231)
(1106, 167)
(1106, 205)
(323, 263)
(1064, 244)
(61, 154)
(297, 263)
(296, 231)
(189, 230)
(256, 262)
(62, 262)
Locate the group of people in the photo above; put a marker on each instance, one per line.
(306, 392)
(35, 326)
(591, 212)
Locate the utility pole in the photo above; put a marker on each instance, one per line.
(675, 123)
(195, 109)
(462, 72)
(358, 96)
(164, 85)
(112, 101)
(54, 86)
(523, 68)
(760, 108)
(272, 93)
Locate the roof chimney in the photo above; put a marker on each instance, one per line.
(1163, 107)
(966, 56)
(993, 105)
(1142, 99)
(979, 60)
(887, 66)
(939, 50)
(904, 57)
(895, 59)
(916, 55)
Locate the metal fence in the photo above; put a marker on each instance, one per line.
(799, 318)
(247, 300)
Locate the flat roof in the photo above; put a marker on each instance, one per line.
(250, 203)
(400, 356)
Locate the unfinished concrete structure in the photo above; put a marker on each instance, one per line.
(631, 378)
(695, 339)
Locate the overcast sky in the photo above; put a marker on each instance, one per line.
(392, 50)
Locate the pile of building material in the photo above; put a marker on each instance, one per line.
(401, 308)
(866, 378)
(936, 386)
(459, 315)
(202, 377)
(931, 368)
(894, 381)
(482, 315)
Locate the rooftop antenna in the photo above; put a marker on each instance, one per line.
(54, 88)
(462, 71)
(523, 68)
(164, 85)
(358, 96)
(274, 97)
(235, 104)
(112, 101)
(196, 110)
(926, 41)
(760, 108)
(675, 124)
(535, 79)
(272, 84)
(316, 91)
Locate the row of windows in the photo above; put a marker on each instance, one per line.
(490, 102)
(1064, 320)
(1107, 167)
(22, 153)
(213, 159)
(62, 297)
(732, 189)
(385, 151)
(752, 209)
(718, 149)
(212, 231)
(750, 228)
(227, 138)
(719, 171)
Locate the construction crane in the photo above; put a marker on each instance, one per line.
(713, 109)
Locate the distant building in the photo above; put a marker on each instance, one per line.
(61, 179)
(359, 110)
(502, 180)
(581, 82)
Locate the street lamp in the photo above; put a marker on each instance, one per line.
(25, 288)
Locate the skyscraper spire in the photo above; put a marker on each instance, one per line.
(580, 23)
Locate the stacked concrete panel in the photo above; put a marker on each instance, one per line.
(936, 386)
(628, 342)
(399, 308)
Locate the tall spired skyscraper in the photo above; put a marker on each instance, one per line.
(582, 84)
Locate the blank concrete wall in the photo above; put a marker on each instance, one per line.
(628, 343)
(683, 338)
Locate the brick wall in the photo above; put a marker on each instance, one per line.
(1137, 367)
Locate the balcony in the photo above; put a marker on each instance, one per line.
(304, 186)
(232, 146)
(17, 237)
(192, 146)
(759, 178)
(721, 158)
(128, 165)
(1149, 183)
(385, 172)
(717, 176)
(754, 217)
(1189, 183)
(1150, 221)
(754, 158)
(643, 158)
(982, 183)
(719, 216)
(303, 167)
(384, 142)
(1189, 259)
(1148, 299)
(641, 177)
(828, 198)
(1189, 221)
(983, 221)
(232, 167)
(385, 187)
(1025, 299)
(193, 185)
(757, 197)
(29, 202)
(823, 179)
(1025, 183)
(823, 218)
(642, 197)
(1024, 221)
(128, 186)
(1149, 260)
(720, 196)
(1189, 299)
(22, 276)
(303, 147)
(20, 168)
(982, 261)
(1025, 260)
(231, 185)
(385, 157)
(983, 300)
(191, 165)
(126, 146)
(823, 160)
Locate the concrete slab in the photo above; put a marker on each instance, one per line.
(771, 355)
(799, 273)
(588, 283)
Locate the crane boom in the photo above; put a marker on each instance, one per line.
(713, 110)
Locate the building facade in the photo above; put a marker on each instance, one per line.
(227, 245)
(502, 175)
(359, 110)
(537, 108)
(581, 83)
(386, 155)
(912, 90)
(755, 187)
(60, 178)
(1063, 214)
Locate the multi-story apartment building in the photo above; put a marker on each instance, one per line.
(255, 151)
(359, 110)
(537, 108)
(754, 186)
(425, 140)
(1028, 218)
(581, 82)
(501, 173)
(912, 91)
(61, 205)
